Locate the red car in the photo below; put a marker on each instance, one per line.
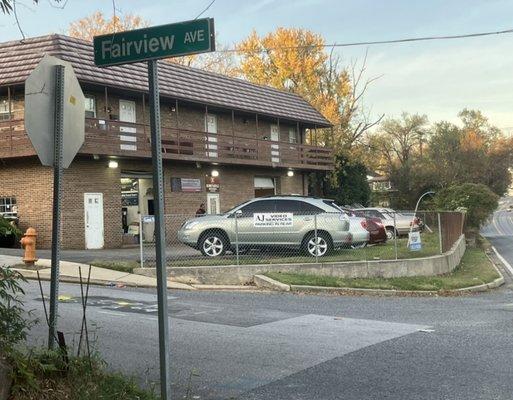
(374, 225)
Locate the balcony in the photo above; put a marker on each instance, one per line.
(115, 138)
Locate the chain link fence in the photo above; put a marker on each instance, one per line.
(300, 237)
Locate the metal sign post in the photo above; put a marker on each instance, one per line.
(54, 120)
(56, 218)
(160, 233)
(150, 44)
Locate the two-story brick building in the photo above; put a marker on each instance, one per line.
(224, 141)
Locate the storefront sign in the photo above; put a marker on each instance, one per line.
(212, 184)
(273, 219)
(190, 185)
(171, 40)
(129, 199)
(414, 241)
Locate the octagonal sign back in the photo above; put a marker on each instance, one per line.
(40, 111)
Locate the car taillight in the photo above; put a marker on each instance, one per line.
(364, 223)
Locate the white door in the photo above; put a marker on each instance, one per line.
(211, 139)
(127, 137)
(93, 207)
(213, 203)
(275, 148)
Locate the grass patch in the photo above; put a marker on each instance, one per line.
(474, 269)
(43, 375)
(430, 247)
(122, 266)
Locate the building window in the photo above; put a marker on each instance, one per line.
(292, 135)
(8, 205)
(90, 107)
(264, 186)
(4, 110)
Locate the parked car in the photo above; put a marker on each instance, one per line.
(403, 223)
(417, 220)
(362, 226)
(265, 222)
(377, 231)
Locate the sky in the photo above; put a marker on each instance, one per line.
(437, 78)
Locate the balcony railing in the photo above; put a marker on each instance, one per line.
(104, 137)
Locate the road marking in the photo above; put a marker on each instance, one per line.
(112, 313)
(503, 260)
(494, 220)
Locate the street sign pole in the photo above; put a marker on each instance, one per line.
(160, 234)
(150, 44)
(56, 219)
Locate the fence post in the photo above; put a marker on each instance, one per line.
(440, 242)
(141, 236)
(236, 238)
(316, 240)
(395, 238)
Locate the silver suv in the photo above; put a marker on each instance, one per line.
(277, 221)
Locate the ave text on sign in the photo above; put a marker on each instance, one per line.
(162, 41)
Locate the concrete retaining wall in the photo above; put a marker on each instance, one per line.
(243, 274)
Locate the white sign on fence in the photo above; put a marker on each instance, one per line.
(273, 219)
(414, 241)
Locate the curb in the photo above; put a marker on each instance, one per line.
(390, 292)
(224, 287)
(265, 282)
(32, 275)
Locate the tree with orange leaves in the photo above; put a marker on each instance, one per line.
(296, 60)
(96, 24)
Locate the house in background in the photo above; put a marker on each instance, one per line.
(224, 141)
(381, 188)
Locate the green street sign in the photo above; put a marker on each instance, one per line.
(164, 41)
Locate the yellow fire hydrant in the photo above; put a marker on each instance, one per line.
(28, 242)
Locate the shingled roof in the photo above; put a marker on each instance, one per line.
(18, 59)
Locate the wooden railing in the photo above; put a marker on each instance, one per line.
(106, 137)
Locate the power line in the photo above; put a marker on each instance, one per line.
(206, 9)
(350, 44)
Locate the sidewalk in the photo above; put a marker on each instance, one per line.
(69, 272)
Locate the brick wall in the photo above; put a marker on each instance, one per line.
(32, 185)
(90, 176)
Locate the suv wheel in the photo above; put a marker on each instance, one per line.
(390, 233)
(213, 244)
(318, 246)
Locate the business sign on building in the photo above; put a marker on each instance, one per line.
(273, 219)
(129, 199)
(190, 185)
(171, 40)
(212, 184)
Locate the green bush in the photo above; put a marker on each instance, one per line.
(477, 199)
(7, 229)
(13, 323)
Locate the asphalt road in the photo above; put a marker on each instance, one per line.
(283, 346)
(499, 230)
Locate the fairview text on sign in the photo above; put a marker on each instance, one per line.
(163, 41)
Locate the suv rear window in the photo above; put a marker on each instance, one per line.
(297, 207)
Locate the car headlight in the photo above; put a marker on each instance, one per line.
(190, 225)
